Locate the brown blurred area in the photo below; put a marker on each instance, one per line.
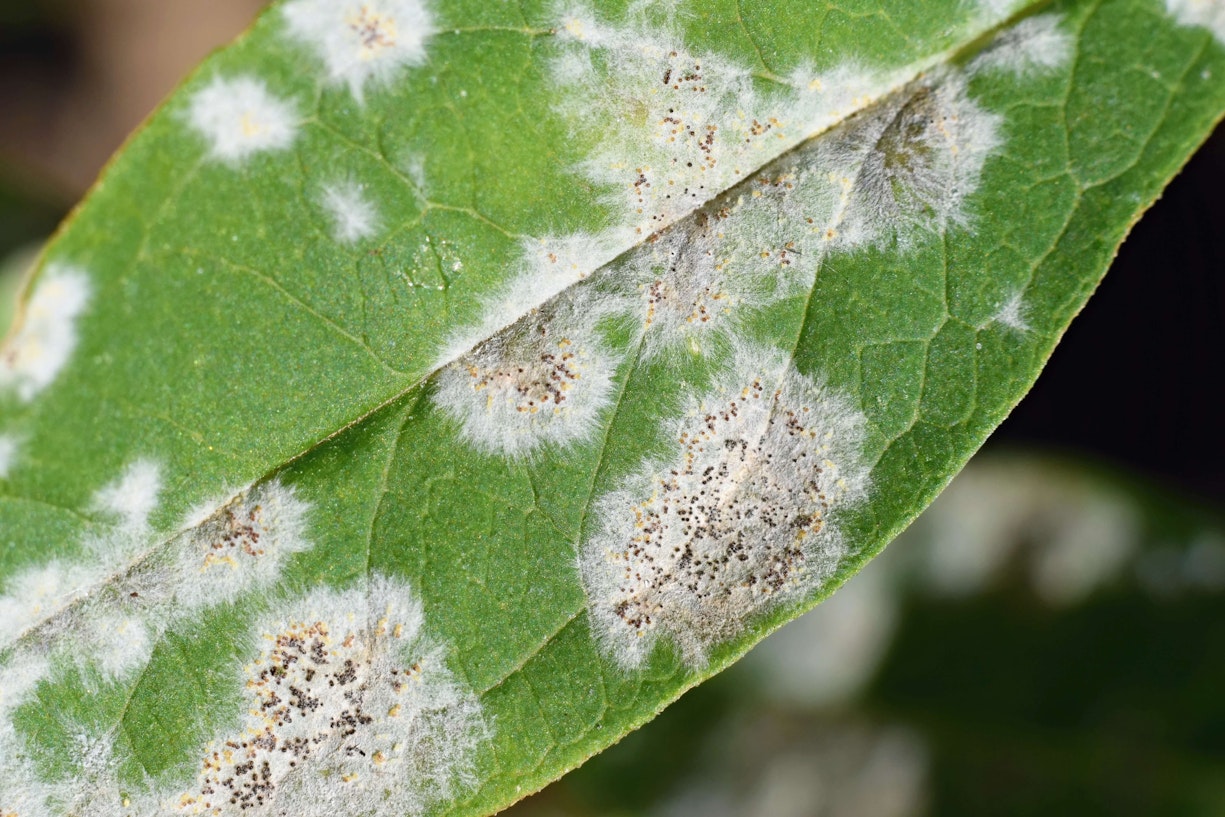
(77, 76)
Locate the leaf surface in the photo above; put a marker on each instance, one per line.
(428, 395)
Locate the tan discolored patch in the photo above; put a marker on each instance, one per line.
(240, 546)
(350, 709)
(692, 546)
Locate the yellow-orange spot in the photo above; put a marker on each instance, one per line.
(374, 31)
(250, 125)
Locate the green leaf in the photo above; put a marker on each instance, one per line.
(429, 394)
(996, 652)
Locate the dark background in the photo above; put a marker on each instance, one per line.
(1111, 707)
(1136, 380)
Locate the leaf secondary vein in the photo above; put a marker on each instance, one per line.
(899, 81)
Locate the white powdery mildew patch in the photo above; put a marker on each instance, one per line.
(134, 495)
(684, 294)
(1012, 314)
(60, 602)
(35, 594)
(362, 41)
(543, 382)
(995, 10)
(674, 131)
(116, 642)
(909, 164)
(691, 285)
(549, 266)
(238, 547)
(1034, 46)
(45, 335)
(352, 213)
(818, 101)
(675, 128)
(350, 710)
(87, 784)
(895, 172)
(8, 454)
(692, 547)
(240, 117)
(1207, 13)
(20, 794)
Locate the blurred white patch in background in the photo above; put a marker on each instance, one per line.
(1084, 539)
(1203, 566)
(843, 770)
(1072, 533)
(823, 658)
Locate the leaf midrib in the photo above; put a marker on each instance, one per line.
(896, 81)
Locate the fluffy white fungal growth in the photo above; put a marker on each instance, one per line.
(52, 597)
(674, 128)
(353, 214)
(240, 117)
(1034, 46)
(694, 283)
(544, 381)
(18, 679)
(19, 794)
(896, 171)
(1012, 314)
(549, 266)
(45, 334)
(8, 454)
(134, 495)
(242, 546)
(741, 517)
(413, 166)
(576, 23)
(687, 298)
(87, 784)
(909, 163)
(362, 41)
(1207, 13)
(36, 593)
(115, 643)
(996, 9)
(350, 710)
(821, 100)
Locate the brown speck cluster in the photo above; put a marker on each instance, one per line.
(540, 383)
(543, 381)
(235, 535)
(726, 521)
(320, 696)
(738, 518)
(374, 31)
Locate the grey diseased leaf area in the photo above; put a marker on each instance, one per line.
(724, 205)
(694, 544)
(741, 513)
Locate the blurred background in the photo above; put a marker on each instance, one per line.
(1048, 638)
